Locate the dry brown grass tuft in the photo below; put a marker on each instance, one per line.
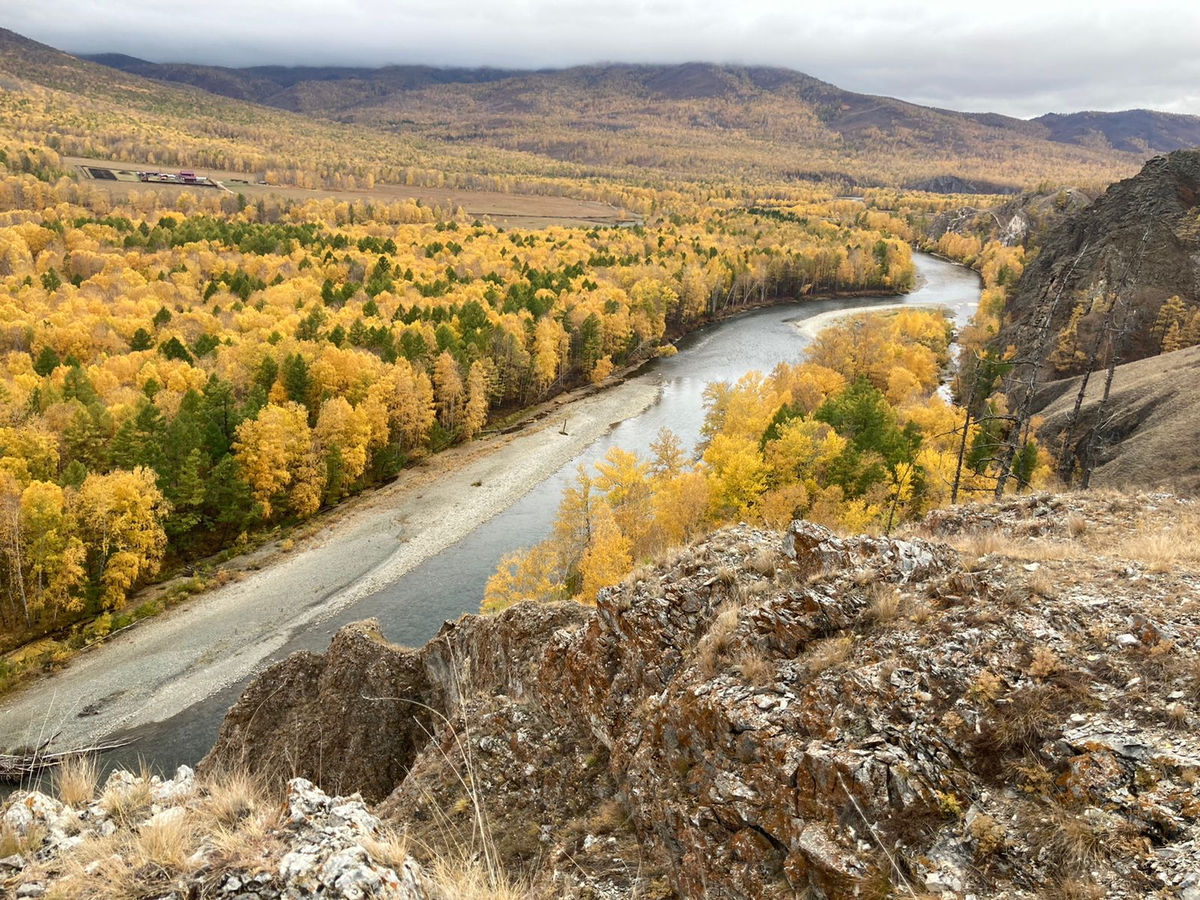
(887, 604)
(1020, 723)
(764, 562)
(755, 666)
(609, 816)
(1042, 585)
(167, 841)
(101, 868)
(1078, 889)
(1076, 839)
(76, 779)
(13, 843)
(1076, 525)
(231, 797)
(126, 802)
(467, 880)
(713, 647)
(389, 848)
(1044, 663)
(1177, 715)
(828, 653)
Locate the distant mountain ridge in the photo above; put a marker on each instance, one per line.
(656, 125)
(336, 90)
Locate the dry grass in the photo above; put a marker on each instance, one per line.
(239, 822)
(466, 880)
(887, 604)
(1042, 585)
(714, 646)
(390, 848)
(1044, 663)
(1165, 549)
(167, 841)
(102, 868)
(125, 803)
(14, 844)
(1078, 889)
(1075, 841)
(764, 563)
(828, 653)
(978, 545)
(76, 779)
(609, 816)
(1020, 723)
(755, 666)
(230, 798)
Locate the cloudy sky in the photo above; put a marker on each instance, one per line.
(1018, 57)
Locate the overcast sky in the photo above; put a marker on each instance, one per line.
(1018, 56)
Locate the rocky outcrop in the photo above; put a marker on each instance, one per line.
(758, 715)
(355, 717)
(1135, 246)
(1021, 220)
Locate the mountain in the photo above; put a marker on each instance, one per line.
(999, 709)
(1112, 266)
(850, 114)
(1131, 131)
(690, 120)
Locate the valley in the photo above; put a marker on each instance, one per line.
(649, 478)
(413, 554)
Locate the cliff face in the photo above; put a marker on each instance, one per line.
(1128, 252)
(759, 715)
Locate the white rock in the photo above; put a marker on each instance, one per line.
(165, 817)
(182, 786)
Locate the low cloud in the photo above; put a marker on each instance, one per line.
(1023, 58)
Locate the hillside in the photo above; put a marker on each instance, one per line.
(683, 121)
(335, 91)
(1001, 705)
(1113, 265)
(1131, 130)
(1147, 432)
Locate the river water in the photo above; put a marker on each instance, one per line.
(412, 608)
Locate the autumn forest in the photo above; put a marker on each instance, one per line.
(183, 372)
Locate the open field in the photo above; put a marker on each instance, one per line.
(510, 210)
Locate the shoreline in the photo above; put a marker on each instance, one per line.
(814, 325)
(194, 650)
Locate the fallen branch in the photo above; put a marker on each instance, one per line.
(15, 766)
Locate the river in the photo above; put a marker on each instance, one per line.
(412, 608)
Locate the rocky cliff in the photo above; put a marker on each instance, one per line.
(1113, 289)
(1003, 704)
(1105, 271)
(760, 715)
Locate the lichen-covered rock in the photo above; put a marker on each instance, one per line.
(761, 715)
(354, 718)
(329, 859)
